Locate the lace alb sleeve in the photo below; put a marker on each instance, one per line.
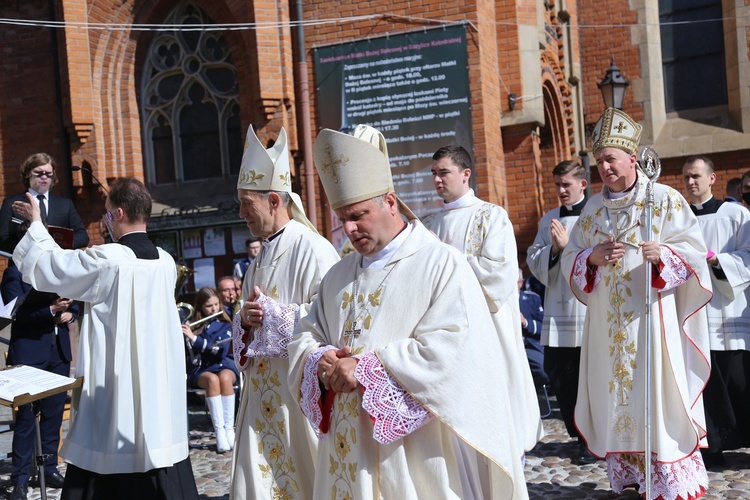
(581, 275)
(395, 413)
(240, 340)
(272, 338)
(674, 271)
(310, 395)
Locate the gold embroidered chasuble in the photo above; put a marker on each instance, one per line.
(484, 233)
(424, 317)
(611, 391)
(275, 446)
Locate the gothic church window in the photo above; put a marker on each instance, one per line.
(189, 103)
(692, 54)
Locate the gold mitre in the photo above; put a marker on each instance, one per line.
(268, 170)
(354, 168)
(617, 130)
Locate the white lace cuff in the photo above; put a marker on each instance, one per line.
(310, 396)
(240, 340)
(394, 411)
(272, 338)
(580, 272)
(675, 272)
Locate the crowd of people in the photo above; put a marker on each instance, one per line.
(411, 367)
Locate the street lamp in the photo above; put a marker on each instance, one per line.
(613, 87)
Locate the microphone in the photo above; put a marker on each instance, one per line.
(76, 168)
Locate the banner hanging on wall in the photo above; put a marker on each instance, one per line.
(413, 87)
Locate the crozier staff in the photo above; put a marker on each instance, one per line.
(128, 433)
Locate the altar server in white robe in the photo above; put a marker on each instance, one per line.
(606, 261)
(484, 233)
(726, 230)
(128, 435)
(275, 446)
(398, 354)
(563, 313)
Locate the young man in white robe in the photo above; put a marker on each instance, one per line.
(275, 446)
(606, 261)
(726, 230)
(563, 314)
(398, 356)
(128, 434)
(483, 232)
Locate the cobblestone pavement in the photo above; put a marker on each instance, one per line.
(550, 472)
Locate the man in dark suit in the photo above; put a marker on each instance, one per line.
(38, 175)
(39, 337)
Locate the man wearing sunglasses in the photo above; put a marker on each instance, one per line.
(38, 176)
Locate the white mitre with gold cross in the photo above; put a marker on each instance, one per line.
(268, 170)
(355, 168)
(616, 129)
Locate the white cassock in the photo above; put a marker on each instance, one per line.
(564, 315)
(275, 447)
(727, 234)
(431, 369)
(130, 415)
(484, 233)
(610, 412)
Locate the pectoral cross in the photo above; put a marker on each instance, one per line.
(351, 335)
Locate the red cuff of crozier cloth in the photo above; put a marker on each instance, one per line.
(394, 412)
(315, 408)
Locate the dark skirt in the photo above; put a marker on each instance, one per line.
(169, 483)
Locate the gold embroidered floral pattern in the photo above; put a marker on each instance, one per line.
(478, 229)
(271, 429)
(341, 467)
(285, 179)
(250, 177)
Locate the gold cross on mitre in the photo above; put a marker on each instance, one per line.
(620, 127)
(351, 334)
(332, 163)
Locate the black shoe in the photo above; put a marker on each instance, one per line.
(54, 480)
(20, 491)
(584, 455)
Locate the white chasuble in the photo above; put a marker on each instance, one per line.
(426, 350)
(485, 234)
(564, 315)
(611, 390)
(275, 447)
(727, 234)
(129, 326)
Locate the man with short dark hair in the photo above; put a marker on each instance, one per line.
(726, 230)
(734, 190)
(252, 246)
(564, 314)
(129, 432)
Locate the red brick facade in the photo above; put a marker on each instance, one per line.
(75, 93)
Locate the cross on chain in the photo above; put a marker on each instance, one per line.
(351, 335)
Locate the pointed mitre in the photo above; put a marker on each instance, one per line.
(268, 170)
(616, 129)
(355, 168)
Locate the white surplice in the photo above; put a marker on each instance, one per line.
(128, 416)
(275, 447)
(727, 234)
(422, 319)
(611, 392)
(484, 233)
(564, 315)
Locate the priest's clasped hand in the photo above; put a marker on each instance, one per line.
(651, 251)
(336, 370)
(251, 314)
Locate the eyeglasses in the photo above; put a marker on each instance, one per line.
(39, 175)
(109, 216)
